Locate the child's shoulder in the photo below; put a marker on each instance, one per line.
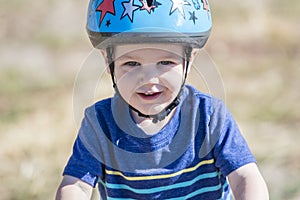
(195, 92)
(206, 102)
(104, 104)
(203, 98)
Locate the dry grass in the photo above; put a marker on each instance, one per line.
(255, 45)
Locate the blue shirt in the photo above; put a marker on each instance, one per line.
(188, 159)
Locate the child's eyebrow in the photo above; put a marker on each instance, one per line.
(125, 57)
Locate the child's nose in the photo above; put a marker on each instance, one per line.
(149, 73)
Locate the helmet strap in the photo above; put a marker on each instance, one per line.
(166, 111)
(162, 114)
(111, 64)
(188, 52)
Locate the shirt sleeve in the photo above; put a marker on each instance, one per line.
(231, 150)
(83, 165)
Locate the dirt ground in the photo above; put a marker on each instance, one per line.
(254, 47)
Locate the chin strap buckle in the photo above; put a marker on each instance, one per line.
(161, 115)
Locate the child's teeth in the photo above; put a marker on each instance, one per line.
(148, 93)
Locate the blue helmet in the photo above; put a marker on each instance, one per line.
(111, 22)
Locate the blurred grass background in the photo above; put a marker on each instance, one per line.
(255, 45)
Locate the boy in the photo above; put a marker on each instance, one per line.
(157, 138)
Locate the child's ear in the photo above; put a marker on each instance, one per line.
(193, 56)
(103, 53)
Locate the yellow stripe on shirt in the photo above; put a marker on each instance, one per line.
(138, 178)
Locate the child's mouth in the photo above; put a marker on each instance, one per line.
(149, 95)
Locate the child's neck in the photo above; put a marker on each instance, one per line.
(147, 125)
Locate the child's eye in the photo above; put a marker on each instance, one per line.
(131, 64)
(166, 62)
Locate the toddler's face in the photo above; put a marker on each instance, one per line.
(149, 77)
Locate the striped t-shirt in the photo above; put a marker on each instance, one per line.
(188, 159)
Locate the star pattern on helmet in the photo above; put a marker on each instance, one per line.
(108, 23)
(156, 4)
(129, 9)
(146, 7)
(205, 5)
(178, 5)
(90, 13)
(193, 16)
(106, 6)
(196, 4)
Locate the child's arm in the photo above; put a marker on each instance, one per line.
(247, 183)
(73, 188)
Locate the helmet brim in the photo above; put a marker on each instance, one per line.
(104, 40)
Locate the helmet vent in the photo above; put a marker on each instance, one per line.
(149, 3)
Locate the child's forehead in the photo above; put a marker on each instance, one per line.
(122, 50)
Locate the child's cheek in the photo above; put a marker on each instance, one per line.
(173, 78)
